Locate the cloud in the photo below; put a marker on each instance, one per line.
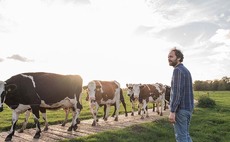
(222, 36)
(1, 60)
(19, 58)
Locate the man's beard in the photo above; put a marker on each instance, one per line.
(173, 63)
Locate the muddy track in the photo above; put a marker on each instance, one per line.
(58, 132)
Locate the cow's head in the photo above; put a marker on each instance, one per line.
(129, 89)
(92, 89)
(137, 89)
(4, 90)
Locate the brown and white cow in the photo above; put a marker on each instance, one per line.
(134, 101)
(122, 100)
(100, 93)
(149, 93)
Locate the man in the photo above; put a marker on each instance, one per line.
(181, 97)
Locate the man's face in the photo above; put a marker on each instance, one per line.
(172, 59)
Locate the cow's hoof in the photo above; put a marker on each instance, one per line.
(20, 131)
(75, 128)
(116, 119)
(105, 119)
(126, 114)
(161, 114)
(147, 116)
(94, 123)
(63, 124)
(70, 128)
(142, 117)
(37, 136)
(8, 138)
(45, 129)
(132, 114)
(78, 121)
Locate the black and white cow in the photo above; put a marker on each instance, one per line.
(38, 92)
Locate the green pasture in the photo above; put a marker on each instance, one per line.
(208, 124)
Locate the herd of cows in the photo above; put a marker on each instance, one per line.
(36, 92)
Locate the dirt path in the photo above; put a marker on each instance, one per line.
(57, 132)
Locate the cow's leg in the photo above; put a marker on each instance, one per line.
(66, 116)
(114, 112)
(12, 130)
(44, 117)
(105, 107)
(145, 108)
(124, 105)
(117, 109)
(76, 112)
(133, 108)
(93, 109)
(154, 104)
(107, 112)
(139, 108)
(157, 105)
(35, 111)
(24, 124)
(141, 105)
(162, 103)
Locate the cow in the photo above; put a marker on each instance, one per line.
(103, 93)
(149, 93)
(132, 99)
(39, 91)
(122, 99)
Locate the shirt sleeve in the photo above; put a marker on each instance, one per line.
(177, 86)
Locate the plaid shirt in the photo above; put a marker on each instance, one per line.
(181, 95)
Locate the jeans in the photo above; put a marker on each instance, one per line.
(181, 126)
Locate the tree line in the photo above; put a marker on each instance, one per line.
(213, 85)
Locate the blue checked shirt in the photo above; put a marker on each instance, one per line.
(181, 95)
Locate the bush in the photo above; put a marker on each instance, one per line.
(206, 102)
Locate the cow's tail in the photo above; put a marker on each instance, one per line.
(123, 101)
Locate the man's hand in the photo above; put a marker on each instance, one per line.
(172, 117)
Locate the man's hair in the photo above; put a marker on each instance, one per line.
(178, 54)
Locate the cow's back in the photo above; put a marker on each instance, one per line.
(55, 87)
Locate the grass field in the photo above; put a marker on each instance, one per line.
(208, 124)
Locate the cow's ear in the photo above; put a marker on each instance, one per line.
(85, 87)
(98, 88)
(11, 88)
(142, 86)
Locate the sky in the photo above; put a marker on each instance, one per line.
(123, 40)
